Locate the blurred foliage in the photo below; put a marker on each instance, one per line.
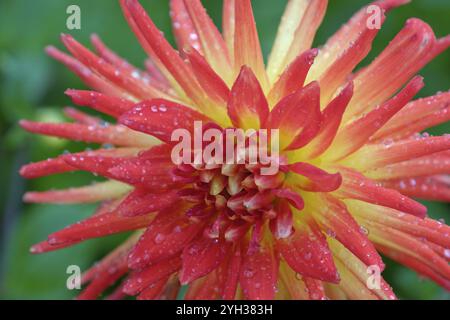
(32, 86)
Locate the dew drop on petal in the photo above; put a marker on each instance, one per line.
(159, 238)
(447, 253)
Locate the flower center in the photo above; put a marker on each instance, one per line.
(235, 195)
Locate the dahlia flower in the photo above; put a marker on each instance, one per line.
(351, 160)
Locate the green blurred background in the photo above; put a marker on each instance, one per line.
(32, 86)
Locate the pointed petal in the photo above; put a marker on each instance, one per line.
(432, 188)
(201, 257)
(356, 186)
(259, 273)
(247, 105)
(389, 152)
(332, 117)
(153, 79)
(357, 133)
(140, 280)
(81, 117)
(89, 194)
(293, 78)
(232, 276)
(434, 164)
(45, 168)
(247, 49)
(142, 201)
(152, 37)
(341, 69)
(360, 271)
(425, 229)
(112, 106)
(155, 175)
(294, 113)
(348, 46)
(210, 81)
(112, 134)
(296, 32)
(124, 80)
(417, 116)
(183, 28)
(411, 247)
(59, 165)
(154, 290)
(306, 30)
(212, 43)
(336, 220)
(97, 164)
(160, 118)
(306, 251)
(166, 236)
(87, 76)
(99, 226)
(402, 58)
(228, 24)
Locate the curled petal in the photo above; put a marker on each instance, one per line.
(316, 180)
(291, 196)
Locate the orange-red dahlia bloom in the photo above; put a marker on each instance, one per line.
(351, 158)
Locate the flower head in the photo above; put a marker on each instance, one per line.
(350, 160)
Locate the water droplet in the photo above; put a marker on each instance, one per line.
(159, 238)
(363, 230)
(193, 36)
(248, 273)
(447, 253)
(388, 143)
